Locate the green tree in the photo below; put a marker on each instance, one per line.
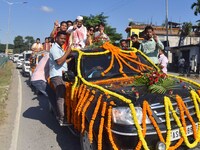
(18, 44)
(28, 42)
(196, 7)
(3, 47)
(93, 20)
(186, 28)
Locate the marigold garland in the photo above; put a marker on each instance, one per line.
(167, 102)
(114, 146)
(101, 126)
(79, 108)
(110, 66)
(90, 134)
(67, 101)
(84, 111)
(80, 90)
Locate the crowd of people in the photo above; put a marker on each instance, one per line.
(68, 35)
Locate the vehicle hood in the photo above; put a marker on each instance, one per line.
(137, 94)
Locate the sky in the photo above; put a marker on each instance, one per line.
(36, 17)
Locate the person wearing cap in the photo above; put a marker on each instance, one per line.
(78, 35)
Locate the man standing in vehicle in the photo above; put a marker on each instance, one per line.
(78, 32)
(58, 64)
(37, 46)
(151, 44)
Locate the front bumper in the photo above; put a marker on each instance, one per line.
(126, 137)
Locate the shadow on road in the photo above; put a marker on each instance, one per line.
(66, 140)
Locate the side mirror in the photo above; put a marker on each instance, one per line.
(68, 76)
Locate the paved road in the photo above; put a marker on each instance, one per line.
(35, 128)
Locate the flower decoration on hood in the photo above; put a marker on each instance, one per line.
(156, 82)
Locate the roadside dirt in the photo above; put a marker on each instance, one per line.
(11, 104)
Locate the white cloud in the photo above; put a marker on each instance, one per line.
(46, 9)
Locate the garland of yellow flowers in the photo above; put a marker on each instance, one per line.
(168, 106)
(73, 87)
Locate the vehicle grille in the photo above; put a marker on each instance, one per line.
(159, 109)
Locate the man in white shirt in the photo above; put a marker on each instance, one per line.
(163, 61)
(78, 32)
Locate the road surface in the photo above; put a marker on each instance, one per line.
(30, 125)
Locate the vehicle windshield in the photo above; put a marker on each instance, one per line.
(21, 57)
(28, 57)
(93, 66)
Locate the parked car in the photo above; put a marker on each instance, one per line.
(20, 61)
(120, 100)
(15, 58)
(26, 70)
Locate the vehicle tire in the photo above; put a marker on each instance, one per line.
(85, 143)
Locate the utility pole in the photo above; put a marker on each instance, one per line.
(9, 16)
(166, 24)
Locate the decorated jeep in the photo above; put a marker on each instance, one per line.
(118, 99)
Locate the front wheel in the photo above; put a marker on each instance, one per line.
(85, 143)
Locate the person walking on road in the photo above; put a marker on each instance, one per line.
(58, 64)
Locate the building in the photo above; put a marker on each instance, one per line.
(178, 46)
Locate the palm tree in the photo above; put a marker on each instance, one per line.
(196, 7)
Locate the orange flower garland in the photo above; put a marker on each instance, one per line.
(82, 101)
(115, 51)
(101, 126)
(90, 134)
(83, 112)
(80, 90)
(67, 101)
(110, 66)
(82, 104)
(198, 91)
(114, 146)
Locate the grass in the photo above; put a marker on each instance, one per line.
(5, 78)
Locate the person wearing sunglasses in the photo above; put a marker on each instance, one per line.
(90, 36)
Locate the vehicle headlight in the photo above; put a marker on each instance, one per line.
(122, 115)
(160, 146)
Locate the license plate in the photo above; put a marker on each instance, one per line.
(176, 134)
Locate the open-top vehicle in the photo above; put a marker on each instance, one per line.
(119, 99)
